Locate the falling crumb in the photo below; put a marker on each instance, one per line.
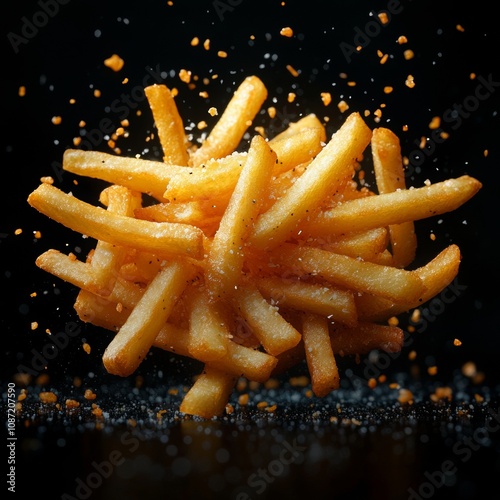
(96, 411)
(410, 81)
(299, 381)
(271, 409)
(47, 179)
(160, 413)
(86, 348)
(402, 39)
(415, 316)
(173, 391)
(56, 120)
(229, 409)
(89, 394)
(442, 393)
(432, 370)
(292, 70)
(288, 32)
(34, 325)
(469, 369)
(384, 58)
(388, 89)
(435, 123)
(37, 234)
(115, 62)
(22, 91)
(97, 93)
(291, 97)
(485, 153)
(47, 397)
(71, 403)
(271, 383)
(262, 404)
(271, 111)
(472, 76)
(478, 398)
(432, 236)
(326, 97)
(195, 41)
(343, 106)
(222, 54)
(457, 342)
(460, 28)
(243, 399)
(384, 19)
(372, 383)
(408, 54)
(405, 396)
(185, 75)
(201, 125)
(206, 44)
(17, 232)
(309, 393)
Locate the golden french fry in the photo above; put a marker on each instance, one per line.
(134, 339)
(319, 355)
(273, 331)
(308, 122)
(390, 177)
(209, 394)
(228, 132)
(169, 124)
(138, 174)
(392, 208)
(226, 255)
(345, 271)
(336, 303)
(436, 275)
(162, 238)
(329, 171)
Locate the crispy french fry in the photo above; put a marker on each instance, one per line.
(314, 298)
(209, 394)
(227, 133)
(225, 259)
(134, 339)
(329, 170)
(390, 177)
(273, 331)
(169, 124)
(308, 122)
(146, 176)
(319, 355)
(392, 208)
(162, 238)
(436, 275)
(345, 271)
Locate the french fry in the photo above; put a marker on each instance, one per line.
(169, 124)
(333, 166)
(314, 298)
(146, 176)
(391, 208)
(273, 331)
(308, 122)
(226, 255)
(319, 355)
(227, 133)
(342, 270)
(160, 238)
(134, 339)
(209, 394)
(390, 177)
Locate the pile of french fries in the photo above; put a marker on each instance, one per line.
(250, 261)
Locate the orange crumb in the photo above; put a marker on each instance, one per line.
(384, 58)
(243, 399)
(460, 28)
(271, 383)
(472, 76)
(410, 81)
(405, 128)
(222, 54)
(34, 325)
(56, 120)
(388, 89)
(271, 111)
(202, 124)
(402, 39)
(37, 234)
(478, 398)
(17, 232)
(393, 385)
(160, 413)
(382, 378)
(288, 32)
(415, 315)
(432, 236)
(372, 383)
(457, 342)
(86, 347)
(48, 397)
(271, 409)
(326, 97)
(115, 62)
(309, 393)
(96, 411)
(432, 370)
(384, 19)
(299, 381)
(195, 41)
(442, 393)
(405, 396)
(173, 391)
(408, 54)
(291, 96)
(71, 403)
(89, 394)
(21, 91)
(261, 404)
(435, 123)
(485, 153)
(206, 44)
(351, 84)
(185, 75)
(292, 70)
(229, 408)
(343, 106)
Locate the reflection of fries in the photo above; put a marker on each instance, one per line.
(250, 262)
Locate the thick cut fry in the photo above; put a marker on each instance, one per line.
(331, 302)
(319, 355)
(389, 175)
(145, 176)
(209, 395)
(209, 334)
(348, 272)
(225, 259)
(162, 238)
(228, 132)
(169, 124)
(436, 275)
(308, 122)
(134, 339)
(329, 171)
(273, 331)
(392, 208)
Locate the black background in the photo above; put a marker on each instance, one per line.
(57, 52)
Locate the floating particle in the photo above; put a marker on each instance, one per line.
(115, 62)
(195, 41)
(47, 397)
(343, 106)
(460, 28)
(213, 111)
(326, 97)
(89, 394)
(56, 120)
(384, 18)
(402, 39)
(185, 75)
(408, 54)
(388, 89)
(222, 54)
(21, 91)
(457, 342)
(86, 347)
(288, 32)
(410, 81)
(435, 123)
(292, 70)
